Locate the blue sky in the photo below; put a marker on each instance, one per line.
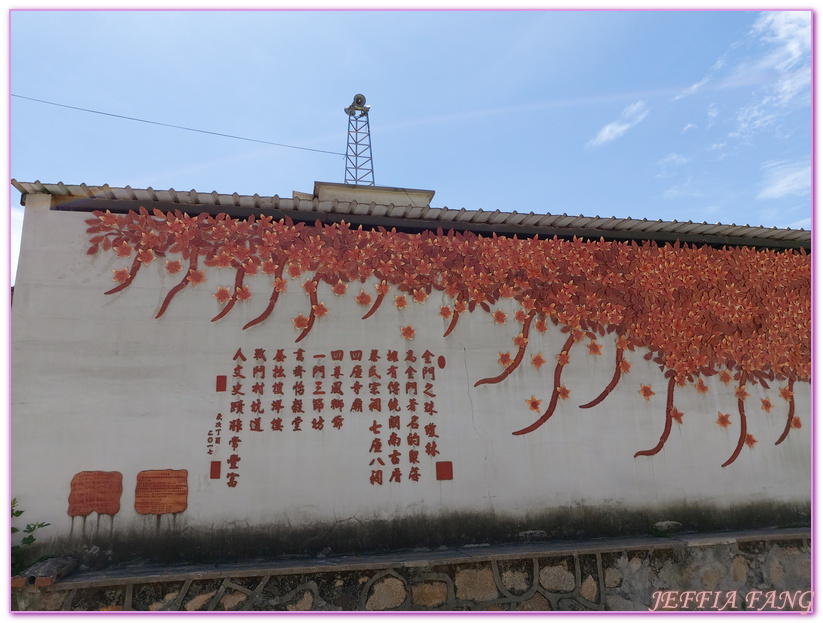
(686, 115)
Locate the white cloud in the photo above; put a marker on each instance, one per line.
(785, 178)
(689, 126)
(790, 32)
(630, 117)
(673, 160)
(669, 163)
(692, 89)
(718, 150)
(787, 36)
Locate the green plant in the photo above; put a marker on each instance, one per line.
(16, 550)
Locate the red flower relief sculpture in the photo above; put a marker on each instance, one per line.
(738, 313)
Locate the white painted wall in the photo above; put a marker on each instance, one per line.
(97, 383)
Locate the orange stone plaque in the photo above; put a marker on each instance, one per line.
(95, 492)
(161, 491)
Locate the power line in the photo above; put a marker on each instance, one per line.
(178, 127)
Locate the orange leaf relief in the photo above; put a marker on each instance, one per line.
(382, 288)
(786, 393)
(196, 276)
(701, 386)
(725, 377)
(222, 295)
(243, 293)
(796, 422)
(363, 298)
(537, 360)
(750, 440)
(646, 391)
(623, 342)
(595, 348)
(280, 285)
(563, 392)
(766, 405)
(420, 296)
(223, 260)
(563, 358)
(121, 276)
(741, 393)
(534, 404)
(301, 322)
(123, 250)
(520, 341)
(407, 332)
(108, 219)
(339, 288)
(446, 311)
(723, 419)
(173, 267)
(250, 268)
(505, 359)
(320, 309)
(625, 366)
(677, 415)
(401, 302)
(500, 316)
(146, 256)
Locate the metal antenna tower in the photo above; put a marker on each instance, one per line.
(359, 169)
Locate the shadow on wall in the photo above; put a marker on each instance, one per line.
(174, 542)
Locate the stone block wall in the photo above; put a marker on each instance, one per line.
(768, 570)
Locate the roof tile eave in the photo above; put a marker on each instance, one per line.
(598, 225)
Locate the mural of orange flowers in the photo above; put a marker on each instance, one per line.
(677, 415)
(121, 276)
(363, 298)
(534, 404)
(173, 267)
(735, 312)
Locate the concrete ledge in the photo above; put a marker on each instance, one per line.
(595, 574)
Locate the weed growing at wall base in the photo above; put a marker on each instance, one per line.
(16, 553)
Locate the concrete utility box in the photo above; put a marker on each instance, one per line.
(196, 385)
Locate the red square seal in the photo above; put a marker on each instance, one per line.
(215, 469)
(443, 470)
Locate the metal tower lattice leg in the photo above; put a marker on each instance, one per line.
(359, 170)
